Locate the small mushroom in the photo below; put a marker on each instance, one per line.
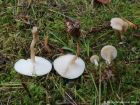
(36, 66)
(69, 66)
(121, 26)
(108, 53)
(94, 59)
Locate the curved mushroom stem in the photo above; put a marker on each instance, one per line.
(77, 53)
(35, 39)
(78, 49)
(46, 43)
(75, 57)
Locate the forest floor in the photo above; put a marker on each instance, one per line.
(17, 17)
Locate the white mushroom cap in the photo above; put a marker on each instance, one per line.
(108, 53)
(39, 68)
(118, 24)
(68, 69)
(94, 59)
(34, 30)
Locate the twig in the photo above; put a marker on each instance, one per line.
(71, 99)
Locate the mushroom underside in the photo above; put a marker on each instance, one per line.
(39, 68)
(68, 69)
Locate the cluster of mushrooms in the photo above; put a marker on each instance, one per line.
(69, 66)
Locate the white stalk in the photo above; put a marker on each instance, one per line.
(96, 62)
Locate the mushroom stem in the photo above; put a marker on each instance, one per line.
(35, 38)
(46, 43)
(78, 49)
(119, 34)
(77, 53)
(96, 62)
(32, 51)
(70, 63)
(108, 62)
(109, 59)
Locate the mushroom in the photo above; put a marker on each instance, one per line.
(36, 66)
(69, 66)
(94, 59)
(108, 53)
(121, 26)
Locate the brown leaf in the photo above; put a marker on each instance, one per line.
(73, 27)
(104, 1)
(24, 18)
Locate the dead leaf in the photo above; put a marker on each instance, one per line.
(73, 27)
(24, 18)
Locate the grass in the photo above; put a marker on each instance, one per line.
(51, 89)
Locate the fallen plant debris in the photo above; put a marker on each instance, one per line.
(97, 29)
(73, 28)
(107, 74)
(49, 50)
(25, 3)
(24, 18)
(136, 34)
(69, 98)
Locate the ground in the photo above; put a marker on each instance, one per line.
(17, 17)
